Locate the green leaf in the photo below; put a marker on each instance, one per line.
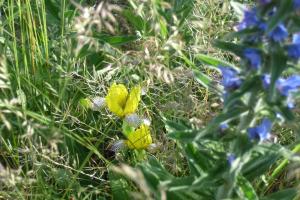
(136, 21)
(116, 40)
(163, 28)
(278, 64)
(241, 33)
(287, 194)
(286, 113)
(207, 82)
(245, 190)
(119, 186)
(126, 128)
(229, 46)
(196, 160)
(85, 103)
(208, 60)
(180, 131)
(226, 116)
(260, 162)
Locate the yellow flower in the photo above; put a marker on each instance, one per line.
(120, 102)
(140, 138)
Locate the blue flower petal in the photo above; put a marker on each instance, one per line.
(262, 131)
(230, 78)
(288, 85)
(266, 79)
(294, 51)
(250, 19)
(231, 158)
(253, 56)
(296, 4)
(252, 133)
(294, 48)
(223, 126)
(279, 33)
(296, 38)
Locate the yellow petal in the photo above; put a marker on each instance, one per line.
(116, 99)
(133, 100)
(140, 138)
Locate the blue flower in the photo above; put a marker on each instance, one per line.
(266, 80)
(294, 49)
(230, 78)
(231, 158)
(253, 57)
(296, 4)
(250, 20)
(290, 102)
(296, 38)
(262, 131)
(289, 85)
(279, 33)
(223, 126)
(284, 86)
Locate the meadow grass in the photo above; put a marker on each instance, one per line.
(51, 148)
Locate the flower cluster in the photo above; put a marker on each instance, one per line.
(262, 42)
(124, 104)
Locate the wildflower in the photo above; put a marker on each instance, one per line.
(279, 33)
(290, 102)
(262, 131)
(286, 86)
(120, 102)
(231, 158)
(230, 79)
(296, 4)
(250, 20)
(223, 127)
(138, 139)
(266, 80)
(253, 56)
(294, 49)
(296, 38)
